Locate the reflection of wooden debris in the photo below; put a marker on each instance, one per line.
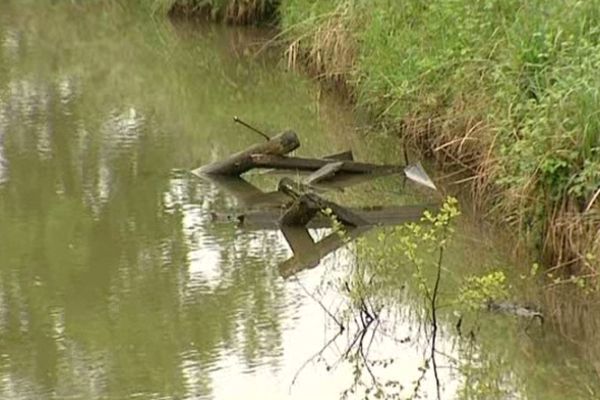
(295, 207)
(309, 256)
(307, 204)
(273, 206)
(269, 219)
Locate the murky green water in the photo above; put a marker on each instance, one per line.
(115, 282)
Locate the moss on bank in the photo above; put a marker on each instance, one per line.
(506, 91)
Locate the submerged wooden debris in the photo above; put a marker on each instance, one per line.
(307, 204)
(515, 309)
(273, 155)
(296, 207)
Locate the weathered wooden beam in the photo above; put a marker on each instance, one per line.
(299, 213)
(307, 202)
(343, 156)
(325, 172)
(241, 162)
(313, 164)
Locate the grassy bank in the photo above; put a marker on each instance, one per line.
(505, 92)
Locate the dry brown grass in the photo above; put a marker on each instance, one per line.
(330, 50)
(461, 142)
(577, 318)
(246, 11)
(573, 240)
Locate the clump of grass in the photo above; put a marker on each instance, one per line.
(506, 92)
(324, 43)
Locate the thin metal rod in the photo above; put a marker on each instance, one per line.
(239, 121)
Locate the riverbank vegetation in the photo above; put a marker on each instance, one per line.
(504, 95)
(506, 92)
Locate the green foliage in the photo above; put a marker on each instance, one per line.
(409, 252)
(404, 252)
(477, 290)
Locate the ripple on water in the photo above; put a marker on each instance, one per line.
(122, 130)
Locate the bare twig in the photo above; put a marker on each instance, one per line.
(434, 322)
(261, 133)
(312, 296)
(317, 354)
(328, 343)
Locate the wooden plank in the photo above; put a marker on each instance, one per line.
(313, 164)
(242, 161)
(343, 156)
(324, 173)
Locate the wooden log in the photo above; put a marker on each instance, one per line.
(313, 164)
(311, 201)
(299, 212)
(292, 188)
(343, 156)
(324, 173)
(241, 162)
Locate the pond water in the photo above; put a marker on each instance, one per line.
(115, 280)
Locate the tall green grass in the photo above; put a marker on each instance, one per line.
(506, 90)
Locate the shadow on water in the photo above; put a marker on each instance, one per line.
(117, 282)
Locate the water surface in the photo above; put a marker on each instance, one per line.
(115, 282)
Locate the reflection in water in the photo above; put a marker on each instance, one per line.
(115, 280)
